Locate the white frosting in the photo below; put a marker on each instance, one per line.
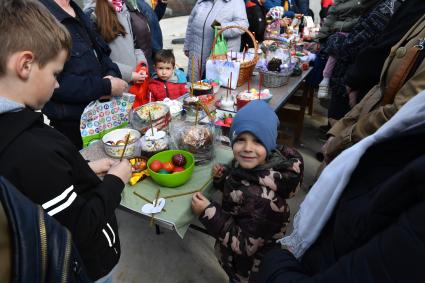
(252, 94)
(174, 105)
(155, 136)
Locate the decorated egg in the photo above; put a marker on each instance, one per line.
(163, 171)
(179, 160)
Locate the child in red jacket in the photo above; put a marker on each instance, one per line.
(166, 82)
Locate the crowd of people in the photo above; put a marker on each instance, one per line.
(360, 222)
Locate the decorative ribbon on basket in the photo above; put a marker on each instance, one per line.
(99, 118)
(246, 67)
(140, 90)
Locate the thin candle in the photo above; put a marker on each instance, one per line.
(199, 70)
(259, 85)
(151, 123)
(231, 75)
(227, 90)
(127, 138)
(196, 113)
(193, 69)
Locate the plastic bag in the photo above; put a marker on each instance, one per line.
(140, 90)
(220, 46)
(197, 139)
(160, 114)
(99, 118)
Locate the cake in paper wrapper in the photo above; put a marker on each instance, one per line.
(160, 113)
(197, 139)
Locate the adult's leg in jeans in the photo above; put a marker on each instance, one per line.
(338, 105)
(71, 129)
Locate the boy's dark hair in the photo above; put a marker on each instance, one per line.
(26, 25)
(165, 56)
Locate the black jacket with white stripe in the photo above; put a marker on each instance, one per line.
(45, 166)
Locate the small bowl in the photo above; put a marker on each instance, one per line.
(115, 151)
(175, 179)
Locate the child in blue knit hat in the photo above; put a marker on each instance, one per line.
(253, 213)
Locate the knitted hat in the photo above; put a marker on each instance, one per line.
(258, 119)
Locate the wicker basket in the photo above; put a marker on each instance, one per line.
(274, 79)
(246, 68)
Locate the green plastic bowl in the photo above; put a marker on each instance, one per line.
(175, 179)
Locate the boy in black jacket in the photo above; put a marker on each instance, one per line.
(37, 159)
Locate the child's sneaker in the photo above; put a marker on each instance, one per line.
(323, 92)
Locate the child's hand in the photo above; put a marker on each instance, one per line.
(138, 77)
(122, 170)
(218, 170)
(199, 203)
(101, 166)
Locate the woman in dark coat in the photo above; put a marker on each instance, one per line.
(359, 65)
(372, 228)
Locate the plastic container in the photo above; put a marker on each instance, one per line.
(151, 147)
(175, 179)
(113, 143)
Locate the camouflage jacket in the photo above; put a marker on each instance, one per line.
(254, 212)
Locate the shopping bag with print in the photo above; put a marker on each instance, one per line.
(99, 118)
(223, 70)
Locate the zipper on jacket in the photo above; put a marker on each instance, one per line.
(166, 90)
(421, 44)
(43, 243)
(202, 44)
(67, 255)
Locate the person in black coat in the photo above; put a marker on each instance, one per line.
(376, 231)
(88, 75)
(257, 23)
(361, 73)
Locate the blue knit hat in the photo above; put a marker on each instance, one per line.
(258, 119)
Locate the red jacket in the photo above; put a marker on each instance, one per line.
(327, 3)
(161, 89)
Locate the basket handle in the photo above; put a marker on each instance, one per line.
(237, 27)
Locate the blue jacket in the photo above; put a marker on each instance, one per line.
(273, 3)
(81, 80)
(153, 18)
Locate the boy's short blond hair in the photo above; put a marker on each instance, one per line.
(26, 25)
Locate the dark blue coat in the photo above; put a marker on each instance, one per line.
(153, 18)
(377, 231)
(81, 80)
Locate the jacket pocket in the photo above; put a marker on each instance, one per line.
(83, 59)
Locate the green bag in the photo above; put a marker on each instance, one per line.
(220, 47)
